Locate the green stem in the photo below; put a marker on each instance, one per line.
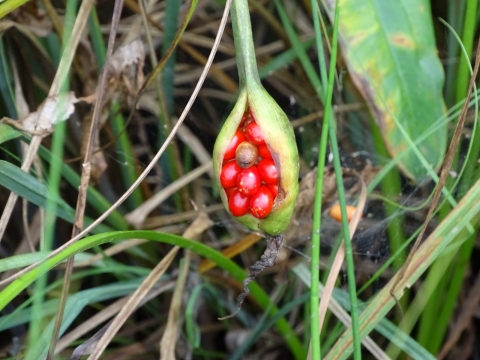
(326, 98)
(244, 47)
(467, 40)
(455, 17)
(317, 209)
(357, 354)
(328, 118)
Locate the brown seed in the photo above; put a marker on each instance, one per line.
(246, 154)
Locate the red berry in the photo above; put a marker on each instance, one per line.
(261, 203)
(237, 139)
(230, 191)
(254, 134)
(248, 181)
(268, 171)
(264, 152)
(274, 189)
(229, 174)
(238, 203)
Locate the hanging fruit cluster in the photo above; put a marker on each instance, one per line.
(255, 162)
(249, 175)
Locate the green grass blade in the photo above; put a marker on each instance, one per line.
(453, 277)
(463, 76)
(26, 186)
(300, 51)
(346, 238)
(6, 90)
(467, 211)
(94, 197)
(264, 324)
(172, 11)
(75, 304)
(8, 133)
(8, 6)
(235, 271)
(317, 207)
(385, 327)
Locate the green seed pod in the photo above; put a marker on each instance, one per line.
(280, 140)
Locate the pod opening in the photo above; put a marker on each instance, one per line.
(249, 175)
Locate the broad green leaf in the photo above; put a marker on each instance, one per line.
(390, 51)
(26, 186)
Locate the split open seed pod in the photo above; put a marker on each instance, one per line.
(280, 140)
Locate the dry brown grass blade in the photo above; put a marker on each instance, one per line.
(22, 110)
(132, 303)
(85, 176)
(169, 338)
(34, 230)
(346, 320)
(104, 315)
(160, 99)
(338, 261)
(137, 216)
(150, 165)
(198, 150)
(197, 227)
(60, 77)
(219, 76)
(184, 133)
(157, 221)
(447, 164)
(159, 67)
(231, 251)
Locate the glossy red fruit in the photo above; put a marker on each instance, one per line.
(230, 192)
(254, 134)
(268, 171)
(238, 203)
(264, 152)
(248, 181)
(274, 189)
(261, 203)
(237, 139)
(229, 174)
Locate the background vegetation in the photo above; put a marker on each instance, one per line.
(379, 107)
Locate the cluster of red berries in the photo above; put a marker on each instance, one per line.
(249, 175)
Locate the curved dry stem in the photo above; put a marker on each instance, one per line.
(274, 245)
